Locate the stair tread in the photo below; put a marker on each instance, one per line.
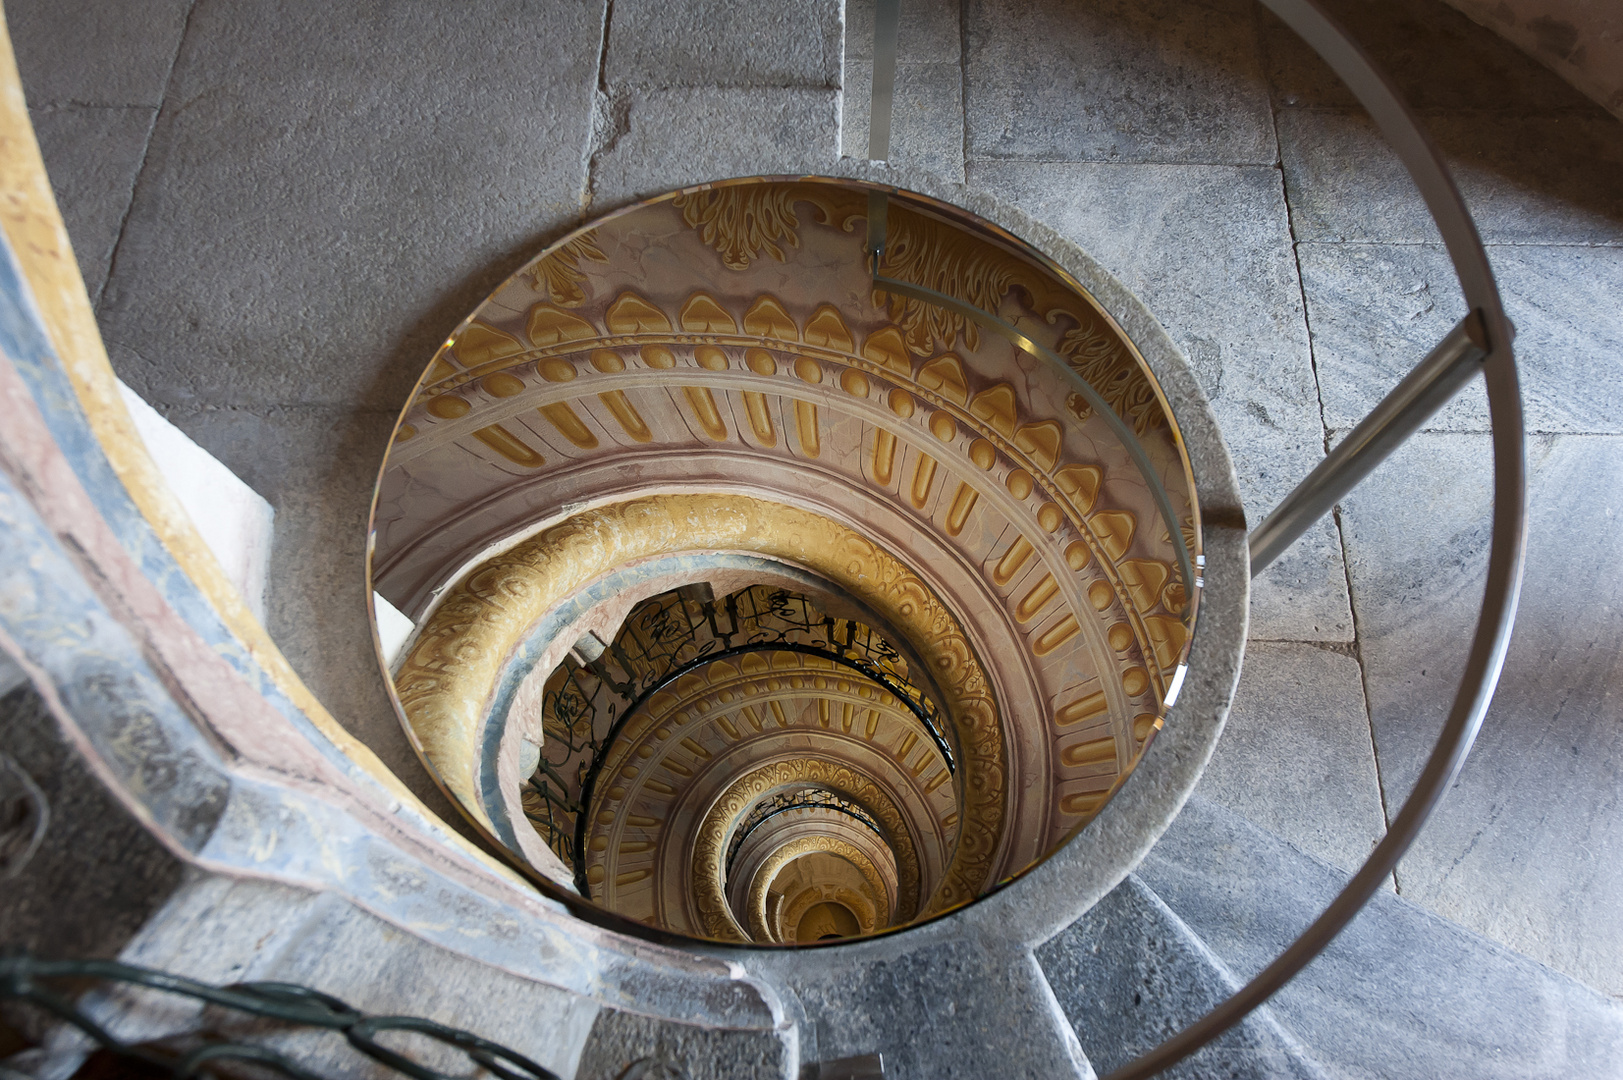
(1430, 997)
(1130, 973)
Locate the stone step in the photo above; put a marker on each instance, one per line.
(1401, 993)
(1130, 973)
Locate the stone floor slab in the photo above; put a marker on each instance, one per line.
(962, 1010)
(1130, 974)
(220, 931)
(98, 874)
(85, 52)
(654, 44)
(1119, 80)
(1377, 309)
(672, 138)
(1296, 756)
(624, 1045)
(1208, 250)
(1431, 999)
(316, 215)
(1527, 846)
(1438, 58)
(927, 118)
(927, 31)
(92, 156)
(1527, 180)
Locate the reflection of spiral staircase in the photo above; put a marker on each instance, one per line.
(207, 815)
(690, 515)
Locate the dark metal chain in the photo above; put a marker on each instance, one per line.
(287, 1002)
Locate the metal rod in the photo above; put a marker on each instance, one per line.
(887, 18)
(1118, 426)
(1506, 554)
(1431, 385)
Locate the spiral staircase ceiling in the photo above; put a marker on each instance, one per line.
(704, 401)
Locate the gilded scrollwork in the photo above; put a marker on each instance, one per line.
(743, 223)
(788, 853)
(445, 680)
(708, 865)
(558, 274)
(1105, 364)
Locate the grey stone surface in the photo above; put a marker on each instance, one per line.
(665, 139)
(1208, 250)
(97, 875)
(85, 52)
(11, 675)
(928, 31)
(1130, 975)
(1377, 309)
(1583, 43)
(625, 1046)
(1401, 992)
(654, 44)
(1537, 179)
(315, 214)
(1296, 756)
(1122, 80)
(220, 931)
(1527, 846)
(961, 1009)
(1438, 58)
(93, 155)
(927, 118)
(1569, 332)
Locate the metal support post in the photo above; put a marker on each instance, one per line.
(1431, 385)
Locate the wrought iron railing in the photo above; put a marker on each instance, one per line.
(289, 1003)
(590, 698)
(798, 799)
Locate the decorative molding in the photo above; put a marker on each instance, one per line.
(810, 845)
(707, 886)
(447, 676)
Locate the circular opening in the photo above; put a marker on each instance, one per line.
(759, 591)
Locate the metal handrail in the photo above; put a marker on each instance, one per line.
(1481, 342)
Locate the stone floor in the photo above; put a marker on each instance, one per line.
(280, 210)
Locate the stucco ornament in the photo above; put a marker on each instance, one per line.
(446, 679)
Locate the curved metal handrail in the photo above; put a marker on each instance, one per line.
(1481, 342)
(1442, 373)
